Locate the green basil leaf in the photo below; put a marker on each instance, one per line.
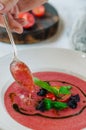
(59, 105)
(65, 90)
(46, 86)
(54, 104)
(52, 89)
(47, 103)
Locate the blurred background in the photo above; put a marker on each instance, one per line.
(68, 11)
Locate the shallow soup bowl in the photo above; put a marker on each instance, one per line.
(41, 59)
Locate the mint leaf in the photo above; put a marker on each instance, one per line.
(54, 104)
(52, 89)
(59, 105)
(46, 86)
(65, 90)
(47, 103)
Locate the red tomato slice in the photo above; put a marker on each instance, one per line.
(29, 19)
(51, 96)
(39, 11)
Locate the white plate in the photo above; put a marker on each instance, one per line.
(38, 59)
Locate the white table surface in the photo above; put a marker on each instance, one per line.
(68, 11)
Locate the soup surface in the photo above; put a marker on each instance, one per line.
(20, 109)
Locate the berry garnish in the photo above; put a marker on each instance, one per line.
(42, 92)
(56, 97)
(75, 98)
(72, 104)
(41, 106)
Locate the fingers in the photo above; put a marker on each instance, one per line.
(1, 6)
(15, 24)
(1, 21)
(12, 9)
(22, 21)
(6, 5)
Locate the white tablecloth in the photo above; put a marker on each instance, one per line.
(68, 11)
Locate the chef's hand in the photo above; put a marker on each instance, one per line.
(12, 8)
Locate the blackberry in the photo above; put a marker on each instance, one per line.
(41, 106)
(72, 104)
(76, 98)
(42, 92)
